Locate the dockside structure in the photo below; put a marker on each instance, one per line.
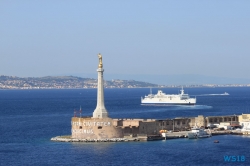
(101, 126)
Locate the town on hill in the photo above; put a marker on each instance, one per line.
(65, 82)
(73, 82)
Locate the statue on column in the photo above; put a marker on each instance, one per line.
(100, 60)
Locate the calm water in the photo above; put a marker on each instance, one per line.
(29, 118)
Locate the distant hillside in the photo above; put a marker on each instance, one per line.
(65, 82)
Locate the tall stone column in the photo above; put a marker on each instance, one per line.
(100, 111)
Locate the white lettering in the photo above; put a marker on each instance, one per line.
(89, 123)
(90, 131)
(84, 131)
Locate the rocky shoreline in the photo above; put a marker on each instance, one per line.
(148, 138)
(69, 139)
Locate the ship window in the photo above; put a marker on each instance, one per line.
(99, 127)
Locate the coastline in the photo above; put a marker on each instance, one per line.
(174, 135)
(69, 139)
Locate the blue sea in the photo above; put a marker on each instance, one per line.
(29, 118)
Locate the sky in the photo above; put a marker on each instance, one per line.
(154, 41)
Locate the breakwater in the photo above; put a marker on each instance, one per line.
(173, 135)
(69, 139)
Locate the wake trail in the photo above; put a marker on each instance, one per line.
(217, 94)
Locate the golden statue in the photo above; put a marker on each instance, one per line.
(100, 60)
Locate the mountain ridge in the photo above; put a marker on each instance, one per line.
(65, 82)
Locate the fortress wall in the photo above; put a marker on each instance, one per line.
(132, 122)
(200, 121)
(226, 118)
(106, 128)
(244, 118)
(132, 130)
(149, 128)
(181, 124)
(94, 128)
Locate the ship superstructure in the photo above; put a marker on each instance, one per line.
(162, 98)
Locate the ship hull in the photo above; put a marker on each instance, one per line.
(168, 103)
(179, 102)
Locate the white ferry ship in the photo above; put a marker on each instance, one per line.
(162, 98)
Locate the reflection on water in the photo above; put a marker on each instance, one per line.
(93, 147)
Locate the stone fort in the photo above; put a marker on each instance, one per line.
(101, 126)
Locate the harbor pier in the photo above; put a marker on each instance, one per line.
(101, 128)
(122, 130)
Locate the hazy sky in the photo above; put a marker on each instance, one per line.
(142, 37)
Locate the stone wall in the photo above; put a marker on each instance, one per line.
(95, 128)
(181, 124)
(244, 118)
(106, 128)
(153, 127)
(131, 131)
(126, 122)
(218, 119)
(200, 121)
(192, 121)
